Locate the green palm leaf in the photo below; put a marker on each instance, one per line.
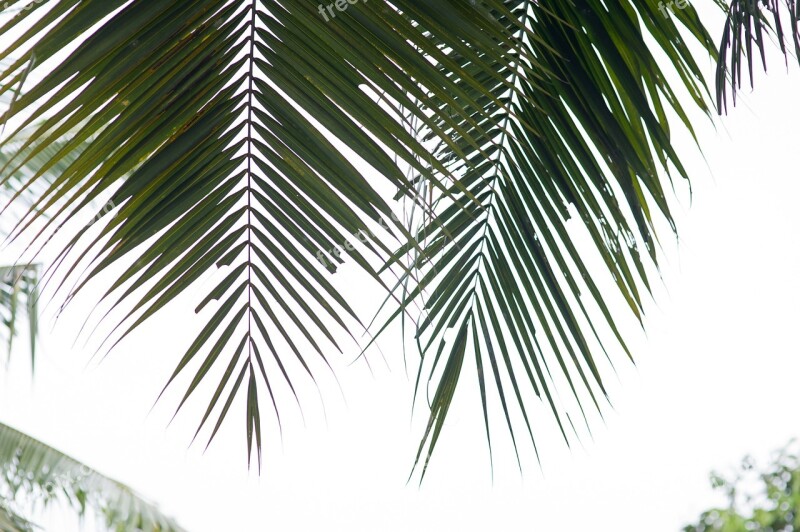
(34, 473)
(19, 297)
(748, 25)
(586, 138)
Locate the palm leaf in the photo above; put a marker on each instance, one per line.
(588, 137)
(748, 26)
(33, 472)
(223, 133)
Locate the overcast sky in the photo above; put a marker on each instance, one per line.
(716, 378)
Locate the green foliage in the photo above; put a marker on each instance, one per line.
(497, 121)
(758, 501)
(223, 133)
(750, 27)
(34, 475)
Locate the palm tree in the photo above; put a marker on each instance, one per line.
(441, 147)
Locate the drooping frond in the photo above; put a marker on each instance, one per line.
(576, 128)
(34, 473)
(194, 103)
(750, 27)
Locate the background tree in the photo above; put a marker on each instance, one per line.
(759, 500)
(34, 475)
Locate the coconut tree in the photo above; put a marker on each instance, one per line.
(454, 152)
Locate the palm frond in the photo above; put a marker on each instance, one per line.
(585, 136)
(224, 173)
(225, 134)
(748, 28)
(35, 473)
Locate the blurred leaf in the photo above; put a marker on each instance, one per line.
(34, 473)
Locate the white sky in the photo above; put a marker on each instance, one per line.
(716, 378)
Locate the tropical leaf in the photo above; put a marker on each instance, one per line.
(201, 196)
(35, 473)
(584, 136)
(224, 135)
(748, 27)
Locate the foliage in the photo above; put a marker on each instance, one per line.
(758, 501)
(223, 133)
(749, 25)
(18, 303)
(35, 475)
(32, 474)
(11, 522)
